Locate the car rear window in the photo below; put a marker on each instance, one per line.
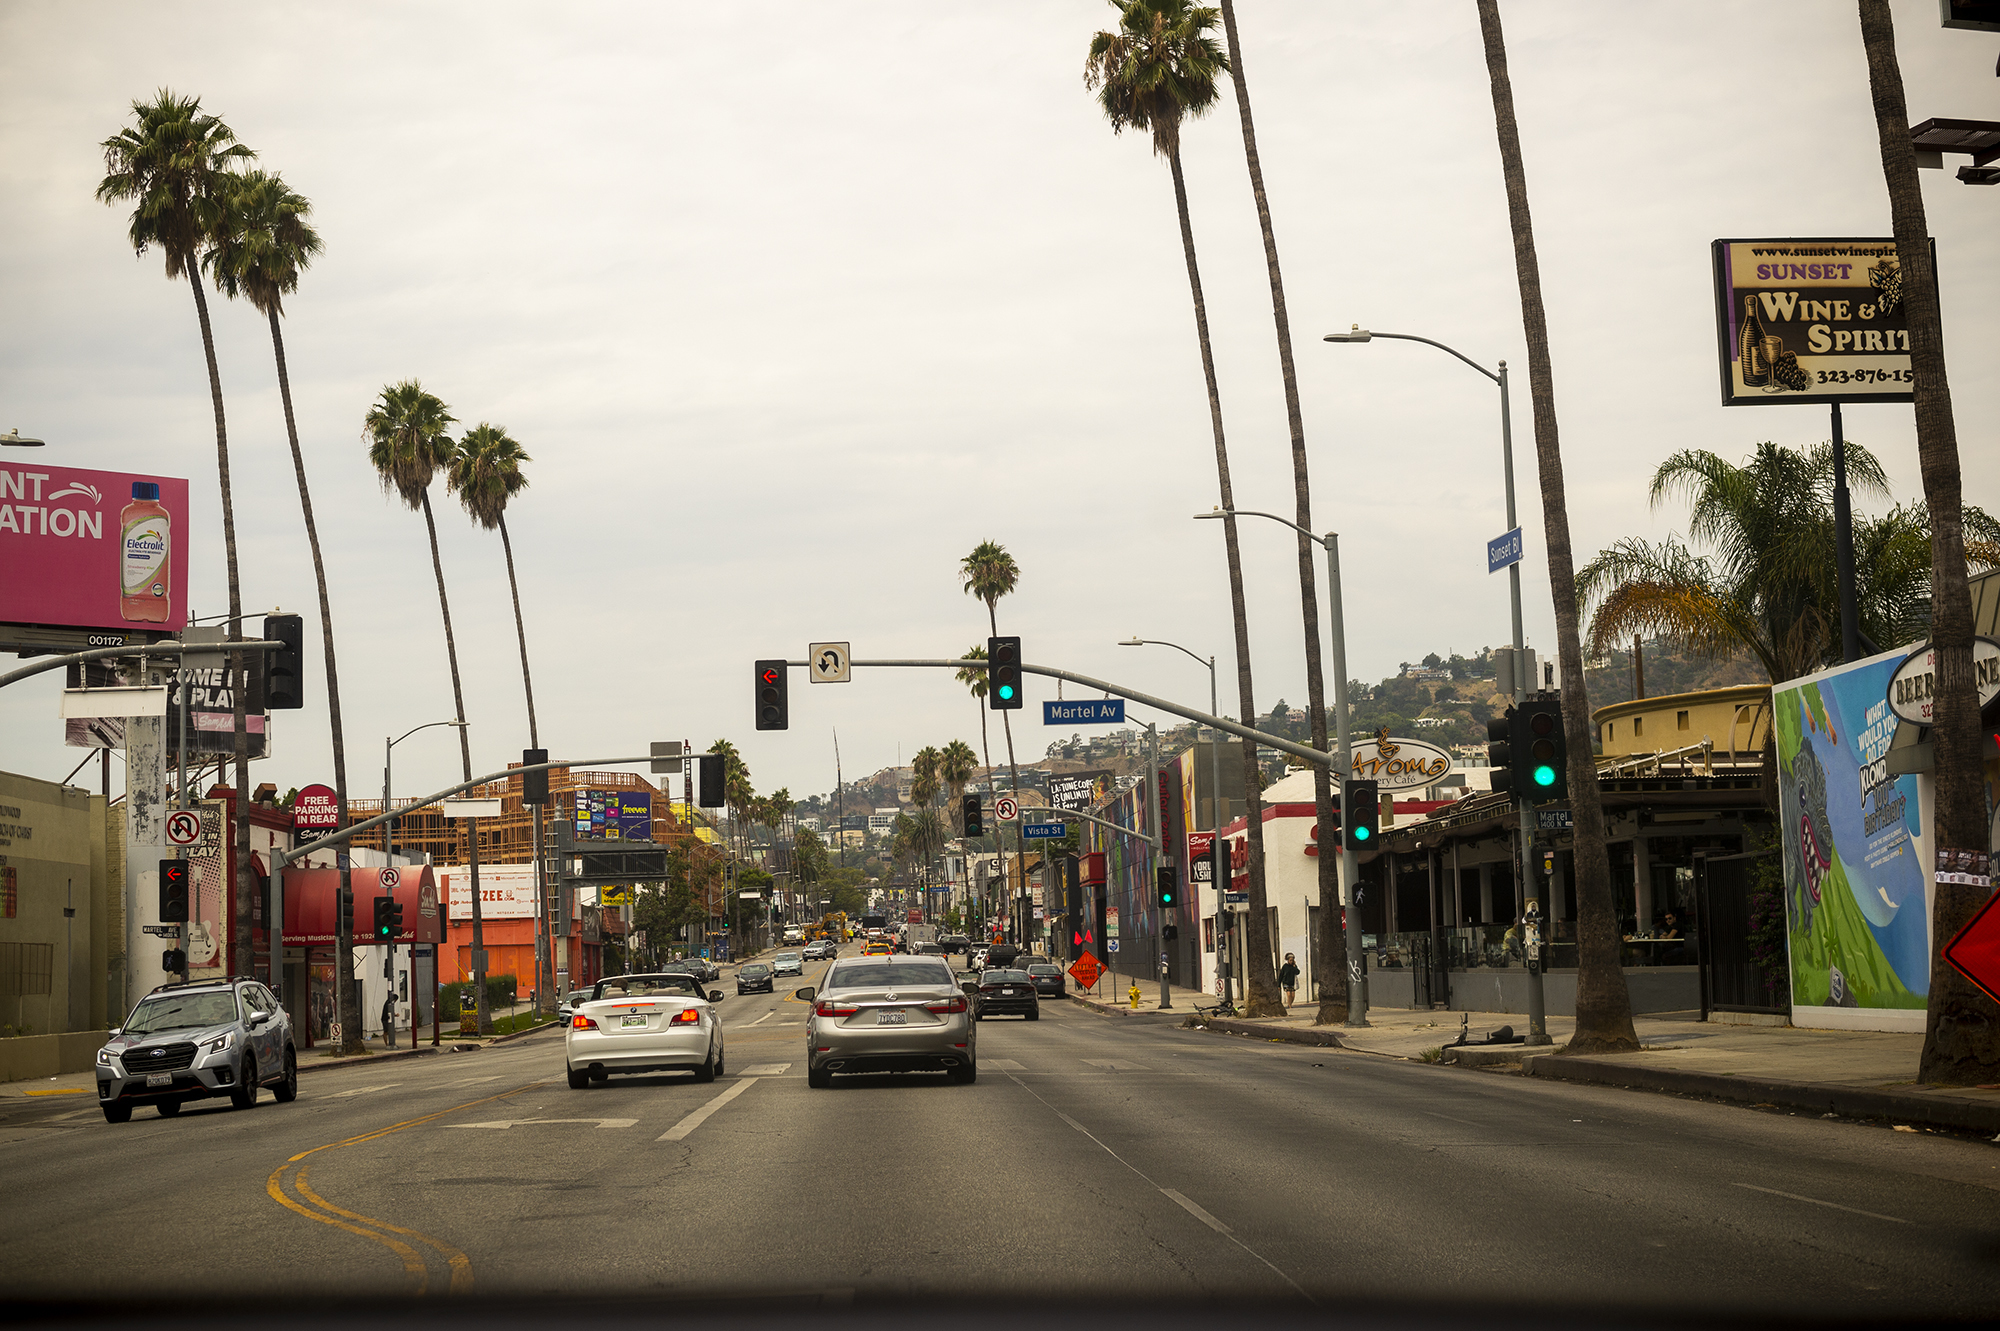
(1044, 970)
(671, 984)
(853, 976)
(1004, 977)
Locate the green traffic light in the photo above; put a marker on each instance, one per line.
(1545, 775)
(1360, 834)
(1006, 690)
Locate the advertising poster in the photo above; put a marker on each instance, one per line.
(1077, 792)
(1811, 321)
(211, 710)
(506, 892)
(92, 549)
(614, 815)
(1855, 852)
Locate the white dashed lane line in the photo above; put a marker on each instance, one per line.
(700, 1116)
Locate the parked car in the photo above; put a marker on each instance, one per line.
(788, 963)
(195, 1041)
(566, 1008)
(1004, 992)
(755, 976)
(889, 1014)
(658, 1022)
(1049, 980)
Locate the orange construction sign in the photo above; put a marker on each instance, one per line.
(1086, 969)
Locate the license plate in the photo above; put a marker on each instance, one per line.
(159, 1079)
(1006, 993)
(633, 1021)
(892, 1018)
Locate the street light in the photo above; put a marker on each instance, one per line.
(388, 856)
(1537, 1016)
(1343, 762)
(1215, 775)
(15, 439)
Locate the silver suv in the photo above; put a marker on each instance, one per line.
(190, 1041)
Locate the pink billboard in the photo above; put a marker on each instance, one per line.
(92, 549)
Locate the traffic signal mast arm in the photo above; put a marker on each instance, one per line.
(1093, 818)
(150, 649)
(1268, 741)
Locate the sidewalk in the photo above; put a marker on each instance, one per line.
(1854, 1074)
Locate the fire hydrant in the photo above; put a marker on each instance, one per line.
(1133, 995)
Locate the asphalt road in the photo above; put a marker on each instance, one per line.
(1096, 1157)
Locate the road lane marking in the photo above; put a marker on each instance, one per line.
(1115, 1065)
(1449, 1119)
(1003, 1065)
(1894, 1220)
(1197, 1212)
(473, 1081)
(766, 1070)
(363, 1090)
(700, 1116)
(413, 1262)
(766, 1017)
(504, 1123)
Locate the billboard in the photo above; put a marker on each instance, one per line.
(506, 892)
(614, 815)
(211, 709)
(1807, 320)
(1856, 853)
(93, 549)
(1076, 792)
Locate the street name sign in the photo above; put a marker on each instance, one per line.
(1043, 831)
(829, 663)
(1083, 712)
(1554, 820)
(1503, 550)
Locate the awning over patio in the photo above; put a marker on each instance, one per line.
(312, 905)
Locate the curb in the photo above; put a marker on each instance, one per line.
(1318, 1038)
(1108, 1010)
(1846, 1101)
(424, 1051)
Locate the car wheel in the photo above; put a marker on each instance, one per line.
(719, 1054)
(1034, 1014)
(965, 1074)
(816, 1077)
(578, 1079)
(287, 1090)
(706, 1072)
(599, 1074)
(243, 1095)
(169, 1108)
(117, 1113)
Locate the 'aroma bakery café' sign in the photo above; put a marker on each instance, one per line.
(1913, 688)
(1399, 764)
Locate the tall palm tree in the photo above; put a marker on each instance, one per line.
(974, 679)
(924, 780)
(269, 240)
(1331, 975)
(955, 768)
(407, 430)
(1603, 1005)
(176, 166)
(1962, 1025)
(990, 573)
(1156, 71)
(485, 473)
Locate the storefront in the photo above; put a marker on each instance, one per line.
(312, 915)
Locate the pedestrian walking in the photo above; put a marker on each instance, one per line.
(1288, 976)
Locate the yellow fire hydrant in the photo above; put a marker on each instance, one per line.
(1133, 995)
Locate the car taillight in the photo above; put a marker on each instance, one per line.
(582, 1023)
(956, 1004)
(687, 1016)
(831, 1009)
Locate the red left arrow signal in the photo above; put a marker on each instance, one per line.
(770, 677)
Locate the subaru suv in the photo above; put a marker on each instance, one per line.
(192, 1041)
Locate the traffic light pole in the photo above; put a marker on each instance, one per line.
(1536, 907)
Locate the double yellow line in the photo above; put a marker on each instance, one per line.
(312, 1206)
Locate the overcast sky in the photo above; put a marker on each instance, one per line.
(793, 304)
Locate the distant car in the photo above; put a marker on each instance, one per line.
(703, 969)
(788, 963)
(657, 1022)
(889, 1014)
(955, 943)
(929, 950)
(1000, 954)
(1048, 979)
(876, 949)
(1032, 959)
(755, 976)
(821, 949)
(566, 1008)
(192, 1041)
(975, 959)
(1004, 992)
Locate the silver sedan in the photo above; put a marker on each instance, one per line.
(889, 1014)
(644, 1023)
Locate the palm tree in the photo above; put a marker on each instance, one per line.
(1156, 71)
(485, 473)
(176, 165)
(1962, 1025)
(974, 679)
(924, 779)
(1331, 976)
(955, 768)
(990, 573)
(408, 444)
(268, 242)
(1603, 1005)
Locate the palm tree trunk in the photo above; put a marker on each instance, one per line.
(520, 631)
(465, 760)
(1603, 1005)
(1260, 972)
(238, 944)
(1331, 971)
(1962, 1025)
(347, 997)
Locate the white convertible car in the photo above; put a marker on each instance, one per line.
(644, 1023)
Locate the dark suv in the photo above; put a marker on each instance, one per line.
(192, 1041)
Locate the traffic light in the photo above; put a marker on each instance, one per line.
(1500, 751)
(710, 796)
(1003, 674)
(285, 667)
(395, 919)
(1541, 764)
(1360, 813)
(1170, 893)
(173, 893)
(774, 706)
(975, 822)
(385, 928)
(534, 785)
(347, 914)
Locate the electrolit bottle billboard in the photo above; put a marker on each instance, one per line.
(92, 549)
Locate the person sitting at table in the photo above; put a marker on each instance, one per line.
(1679, 952)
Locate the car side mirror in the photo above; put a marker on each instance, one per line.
(970, 987)
(114, 1032)
(715, 995)
(804, 995)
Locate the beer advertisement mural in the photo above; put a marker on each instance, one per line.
(1856, 853)
(1805, 320)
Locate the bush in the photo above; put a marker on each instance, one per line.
(456, 998)
(1768, 926)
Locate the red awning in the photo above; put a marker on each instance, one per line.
(312, 905)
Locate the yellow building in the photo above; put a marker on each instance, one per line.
(1725, 726)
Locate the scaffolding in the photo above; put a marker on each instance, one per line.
(510, 837)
